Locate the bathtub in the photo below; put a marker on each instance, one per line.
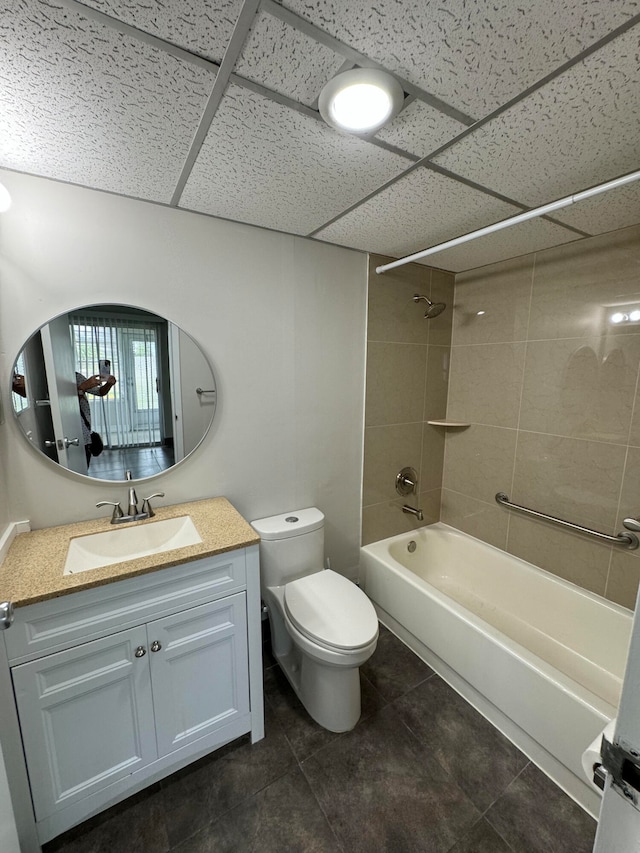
(539, 657)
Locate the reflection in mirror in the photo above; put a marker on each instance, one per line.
(131, 377)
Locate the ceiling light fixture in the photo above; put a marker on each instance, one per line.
(360, 100)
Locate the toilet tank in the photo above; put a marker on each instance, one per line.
(291, 546)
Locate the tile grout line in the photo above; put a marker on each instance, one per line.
(624, 472)
(522, 382)
(322, 810)
(582, 338)
(320, 806)
(497, 799)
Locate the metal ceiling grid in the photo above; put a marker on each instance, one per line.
(211, 105)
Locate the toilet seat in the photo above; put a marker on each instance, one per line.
(330, 610)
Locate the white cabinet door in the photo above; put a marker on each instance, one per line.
(199, 671)
(86, 717)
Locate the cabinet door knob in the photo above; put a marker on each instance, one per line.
(156, 646)
(140, 652)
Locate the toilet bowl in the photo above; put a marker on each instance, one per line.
(323, 627)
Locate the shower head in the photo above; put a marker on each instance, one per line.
(433, 308)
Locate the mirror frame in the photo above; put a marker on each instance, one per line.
(64, 470)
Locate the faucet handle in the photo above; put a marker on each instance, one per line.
(117, 509)
(407, 481)
(146, 506)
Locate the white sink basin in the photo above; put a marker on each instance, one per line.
(128, 543)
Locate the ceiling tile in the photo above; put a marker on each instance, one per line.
(203, 28)
(420, 129)
(531, 236)
(286, 61)
(85, 104)
(268, 165)
(419, 210)
(608, 212)
(475, 56)
(567, 136)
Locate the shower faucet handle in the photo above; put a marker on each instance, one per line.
(632, 524)
(407, 481)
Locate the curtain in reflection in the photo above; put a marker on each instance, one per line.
(128, 416)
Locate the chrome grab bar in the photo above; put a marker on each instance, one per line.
(625, 539)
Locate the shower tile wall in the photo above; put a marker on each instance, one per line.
(550, 386)
(407, 375)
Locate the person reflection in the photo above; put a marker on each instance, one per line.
(99, 386)
(18, 386)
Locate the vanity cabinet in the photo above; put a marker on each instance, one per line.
(117, 686)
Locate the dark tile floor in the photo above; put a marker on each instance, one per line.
(422, 771)
(141, 461)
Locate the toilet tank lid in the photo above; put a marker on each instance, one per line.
(289, 524)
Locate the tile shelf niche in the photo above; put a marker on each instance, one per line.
(446, 423)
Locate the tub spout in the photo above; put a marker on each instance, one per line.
(413, 511)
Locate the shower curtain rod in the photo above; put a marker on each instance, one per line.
(515, 220)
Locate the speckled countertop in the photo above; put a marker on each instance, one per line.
(33, 568)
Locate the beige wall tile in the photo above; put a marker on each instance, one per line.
(577, 286)
(382, 520)
(399, 394)
(569, 409)
(438, 363)
(486, 383)
(630, 494)
(581, 387)
(624, 578)
(442, 290)
(492, 303)
(479, 461)
(570, 556)
(571, 478)
(634, 433)
(395, 383)
(388, 449)
(571, 404)
(393, 315)
(433, 438)
(429, 503)
(483, 520)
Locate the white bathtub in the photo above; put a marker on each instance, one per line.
(541, 658)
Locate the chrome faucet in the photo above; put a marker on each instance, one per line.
(118, 517)
(413, 511)
(133, 498)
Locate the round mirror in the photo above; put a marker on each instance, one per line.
(110, 389)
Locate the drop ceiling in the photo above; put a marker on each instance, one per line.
(211, 106)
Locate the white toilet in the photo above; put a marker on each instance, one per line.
(323, 627)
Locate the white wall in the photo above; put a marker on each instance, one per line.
(282, 320)
(8, 831)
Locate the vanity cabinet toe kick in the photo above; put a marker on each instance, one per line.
(120, 685)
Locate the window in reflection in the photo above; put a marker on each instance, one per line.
(129, 349)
